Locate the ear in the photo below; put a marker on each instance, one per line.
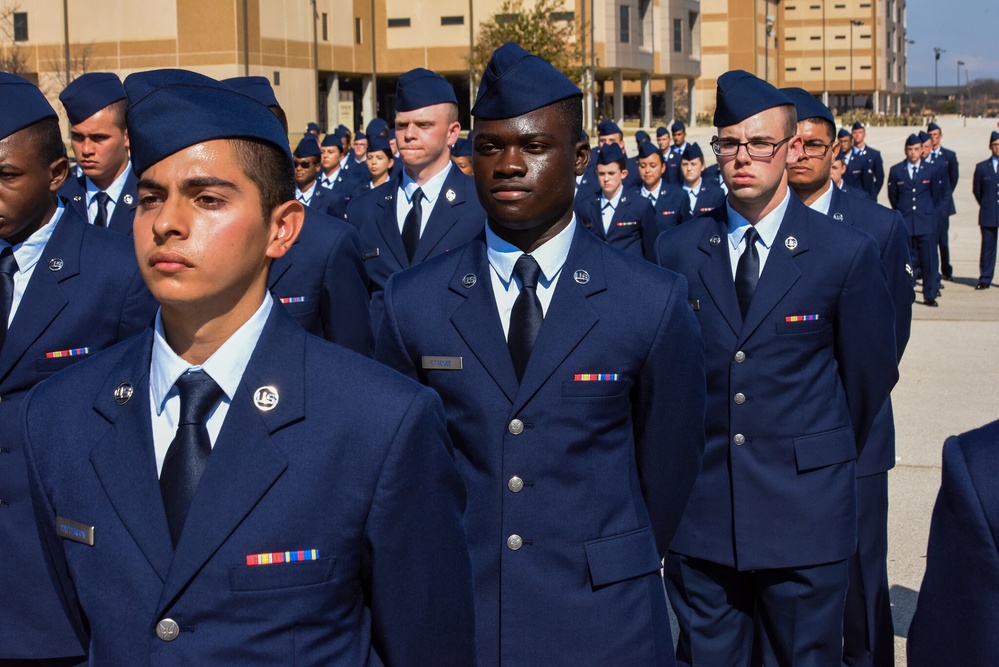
(58, 171)
(285, 224)
(452, 132)
(127, 146)
(582, 157)
(795, 149)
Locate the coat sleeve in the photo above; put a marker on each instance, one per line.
(957, 613)
(976, 185)
(879, 175)
(865, 339)
(344, 306)
(892, 189)
(898, 266)
(668, 414)
(138, 308)
(389, 347)
(418, 573)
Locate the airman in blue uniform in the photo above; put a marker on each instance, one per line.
(678, 132)
(865, 169)
(701, 194)
(609, 132)
(985, 187)
(104, 193)
(938, 155)
(667, 200)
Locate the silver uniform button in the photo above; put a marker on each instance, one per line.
(740, 357)
(167, 629)
(739, 439)
(515, 484)
(514, 542)
(516, 427)
(739, 398)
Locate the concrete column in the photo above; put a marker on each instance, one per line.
(618, 97)
(333, 100)
(587, 101)
(825, 97)
(646, 100)
(876, 101)
(670, 110)
(898, 105)
(691, 99)
(367, 100)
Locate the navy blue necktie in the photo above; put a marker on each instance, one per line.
(102, 209)
(188, 453)
(411, 228)
(526, 316)
(8, 267)
(747, 272)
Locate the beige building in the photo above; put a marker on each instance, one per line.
(338, 61)
(851, 53)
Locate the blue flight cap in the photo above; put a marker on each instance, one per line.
(21, 104)
(609, 154)
(312, 127)
(807, 106)
(646, 149)
(171, 109)
(678, 126)
(391, 134)
(923, 137)
(342, 128)
(257, 87)
(376, 127)
(583, 136)
(661, 131)
(461, 148)
(642, 136)
(516, 82)
(307, 147)
(913, 140)
(607, 128)
(843, 132)
(858, 125)
(420, 88)
(933, 126)
(334, 138)
(89, 93)
(359, 136)
(379, 142)
(741, 95)
(692, 152)
(994, 137)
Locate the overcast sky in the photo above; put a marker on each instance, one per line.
(967, 29)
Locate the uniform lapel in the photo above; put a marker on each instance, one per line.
(244, 463)
(443, 216)
(124, 208)
(570, 317)
(599, 224)
(716, 271)
(79, 200)
(124, 459)
(388, 223)
(780, 271)
(44, 299)
(477, 320)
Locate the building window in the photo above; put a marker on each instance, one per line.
(625, 27)
(840, 67)
(398, 23)
(452, 20)
(865, 67)
(505, 19)
(840, 6)
(20, 26)
(357, 30)
(326, 27)
(790, 39)
(865, 37)
(792, 69)
(562, 16)
(840, 36)
(815, 7)
(790, 8)
(677, 35)
(815, 38)
(816, 69)
(865, 5)
(277, 78)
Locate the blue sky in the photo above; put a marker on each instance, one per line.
(967, 29)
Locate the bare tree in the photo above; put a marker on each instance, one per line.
(13, 58)
(80, 62)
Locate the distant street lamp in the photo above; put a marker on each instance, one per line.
(769, 34)
(852, 23)
(936, 62)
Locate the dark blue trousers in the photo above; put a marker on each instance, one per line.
(924, 254)
(987, 260)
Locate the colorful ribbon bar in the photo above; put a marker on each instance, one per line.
(626, 224)
(292, 299)
(595, 377)
(800, 318)
(67, 353)
(282, 557)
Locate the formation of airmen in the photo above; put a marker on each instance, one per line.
(405, 398)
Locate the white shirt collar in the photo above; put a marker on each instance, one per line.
(431, 189)
(29, 251)
(225, 366)
(767, 227)
(613, 201)
(824, 201)
(307, 194)
(695, 190)
(654, 193)
(550, 256)
(114, 190)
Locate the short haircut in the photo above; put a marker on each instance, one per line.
(656, 154)
(839, 157)
(824, 122)
(117, 111)
(622, 163)
(46, 139)
(387, 152)
(282, 118)
(571, 112)
(791, 121)
(269, 169)
(699, 157)
(452, 114)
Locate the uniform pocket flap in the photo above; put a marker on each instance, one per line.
(281, 575)
(572, 388)
(824, 449)
(619, 557)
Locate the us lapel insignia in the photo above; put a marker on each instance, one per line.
(581, 276)
(265, 398)
(468, 280)
(790, 243)
(77, 198)
(449, 195)
(127, 199)
(122, 393)
(55, 264)
(714, 240)
(838, 216)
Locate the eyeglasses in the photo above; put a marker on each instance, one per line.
(759, 149)
(817, 148)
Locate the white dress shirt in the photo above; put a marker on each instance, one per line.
(431, 190)
(767, 229)
(27, 253)
(824, 201)
(305, 197)
(225, 366)
(113, 192)
(652, 195)
(692, 193)
(503, 256)
(608, 207)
